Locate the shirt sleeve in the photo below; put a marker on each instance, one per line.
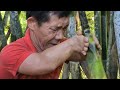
(12, 57)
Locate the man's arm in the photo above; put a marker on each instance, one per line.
(48, 60)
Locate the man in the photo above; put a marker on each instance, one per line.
(40, 54)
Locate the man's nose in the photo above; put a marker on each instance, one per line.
(59, 35)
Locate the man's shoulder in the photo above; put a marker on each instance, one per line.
(14, 46)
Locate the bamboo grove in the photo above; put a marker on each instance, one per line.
(99, 64)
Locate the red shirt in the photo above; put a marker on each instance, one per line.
(12, 56)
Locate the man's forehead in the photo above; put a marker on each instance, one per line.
(60, 21)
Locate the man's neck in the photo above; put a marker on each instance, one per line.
(36, 41)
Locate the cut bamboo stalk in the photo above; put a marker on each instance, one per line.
(93, 59)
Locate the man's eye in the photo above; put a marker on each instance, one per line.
(54, 30)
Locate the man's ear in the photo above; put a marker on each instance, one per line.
(31, 22)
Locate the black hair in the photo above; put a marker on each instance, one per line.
(44, 16)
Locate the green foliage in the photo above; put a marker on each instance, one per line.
(2, 13)
(90, 18)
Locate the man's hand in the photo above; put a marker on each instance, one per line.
(95, 40)
(79, 43)
(81, 56)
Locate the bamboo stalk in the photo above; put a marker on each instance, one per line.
(5, 18)
(2, 34)
(78, 27)
(112, 58)
(15, 27)
(93, 59)
(75, 70)
(70, 32)
(72, 66)
(109, 46)
(66, 70)
(97, 19)
(117, 33)
(113, 67)
(104, 37)
(8, 33)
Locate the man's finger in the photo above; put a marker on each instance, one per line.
(86, 39)
(99, 47)
(85, 49)
(97, 42)
(86, 44)
(79, 32)
(83, 52)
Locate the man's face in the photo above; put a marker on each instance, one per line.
(52, 32)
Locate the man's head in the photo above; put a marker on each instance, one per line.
(44, 16)
(48, 26)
